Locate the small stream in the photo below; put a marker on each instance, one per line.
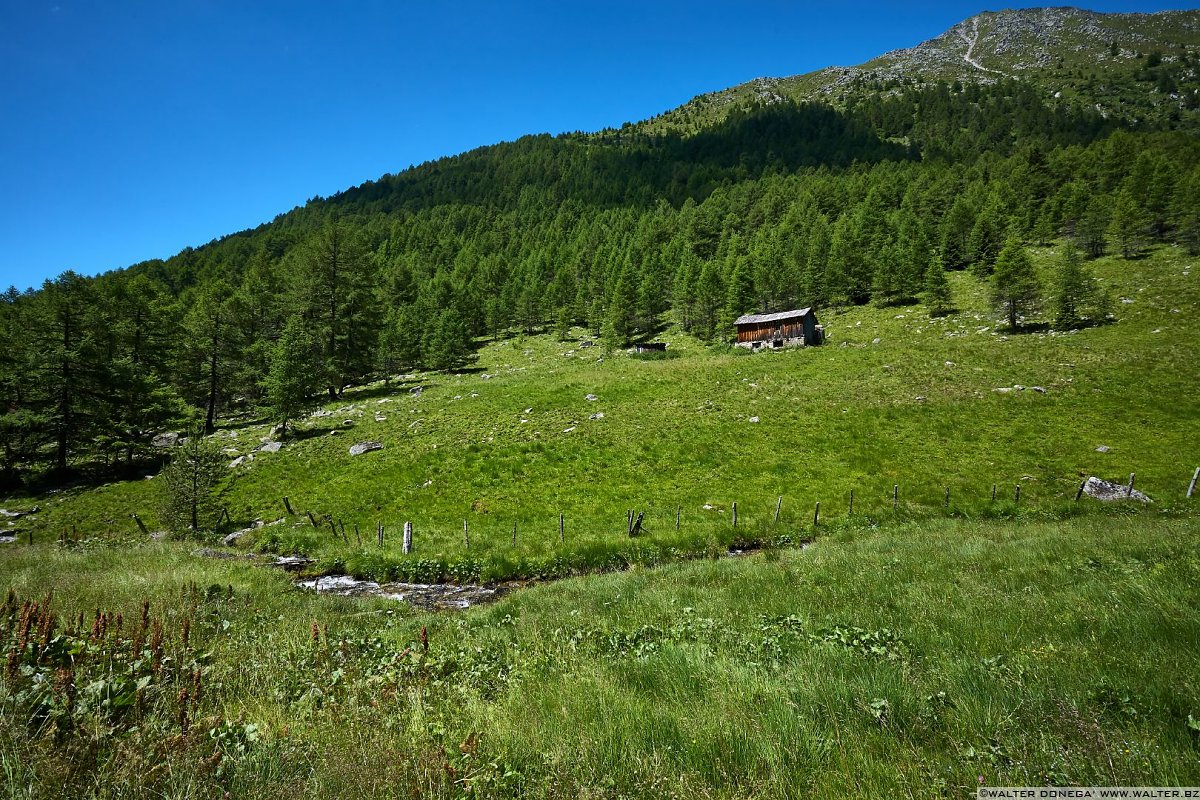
(426, 596)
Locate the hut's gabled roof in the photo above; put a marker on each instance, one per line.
(754, 319)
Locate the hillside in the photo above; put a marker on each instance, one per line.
(860, 569)
(1085, 58)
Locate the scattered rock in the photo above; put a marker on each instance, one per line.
(568, 430)
(876, 340)
(920, 398)
(597, 415)
(7, 539)
(380, 418)
(1003, 389)
(208, 552)
(949, 363)
(586, 344)
(347, 423)
(165, 439)
(1108, 491)
(1103, 448)
(233, 537)
(591, 398)
(1039, 389)
(292, 562)
(321, 412)
(417, 391)
(237, 462)
(270, 447)
(754, 419)
(335, 432)
(365, 447)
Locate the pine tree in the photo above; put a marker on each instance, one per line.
(1129, 224)
(449, 343)
(1089, 230)
(291, 383)
(1015, 286)
(956, 231)
(335, 288)
(188, 484)
(937, 288)
(1078, 298)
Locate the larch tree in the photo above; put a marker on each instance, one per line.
(291, 383)
(1015, 286)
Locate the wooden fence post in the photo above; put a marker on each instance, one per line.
(288, 506)
(850, 513)
(993, 492)
(407, 537)
(312, 519)
(679, 509)
(466, 537)
(514, 541)
(1129, 490)
(141, 525)
(1079, 494)
(947, 497)
(342, 528)
(895, 496)
(778, 507)
(379, 532)
(1017, 494)
(562, 534)
(817, 514)
(735, 514)
(1192, 485)
(357, 537)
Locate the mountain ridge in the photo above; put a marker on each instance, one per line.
(1068, 46)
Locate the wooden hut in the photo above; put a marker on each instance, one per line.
(784, 329)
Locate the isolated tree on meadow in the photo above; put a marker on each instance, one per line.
(188, 483)
(1015, 285)
(1078, 298)
(291, 382)
(937, 288)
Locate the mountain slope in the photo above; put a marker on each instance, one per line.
(1138, 66)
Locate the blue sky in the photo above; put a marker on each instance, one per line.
(130, 130)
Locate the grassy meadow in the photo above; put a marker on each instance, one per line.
(895, 399)
(912, 660)
(915, 651)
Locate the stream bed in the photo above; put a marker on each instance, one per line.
(426, 596)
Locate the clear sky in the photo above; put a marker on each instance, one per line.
(133, 129)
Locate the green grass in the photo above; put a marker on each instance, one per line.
(903, 661)
(917, 409)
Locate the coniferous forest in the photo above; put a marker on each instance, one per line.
(778, 206)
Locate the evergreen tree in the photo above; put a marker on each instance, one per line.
(71, 374)
(291, 383)
(1015, 286)
(1078, 298)
(1089, 231)
(710, 299)
(956, 233)
(210, 348)
(449, 342)
(1129, 224)
(336, 282)
(189, 482)
(937, 288)
(986, 238)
